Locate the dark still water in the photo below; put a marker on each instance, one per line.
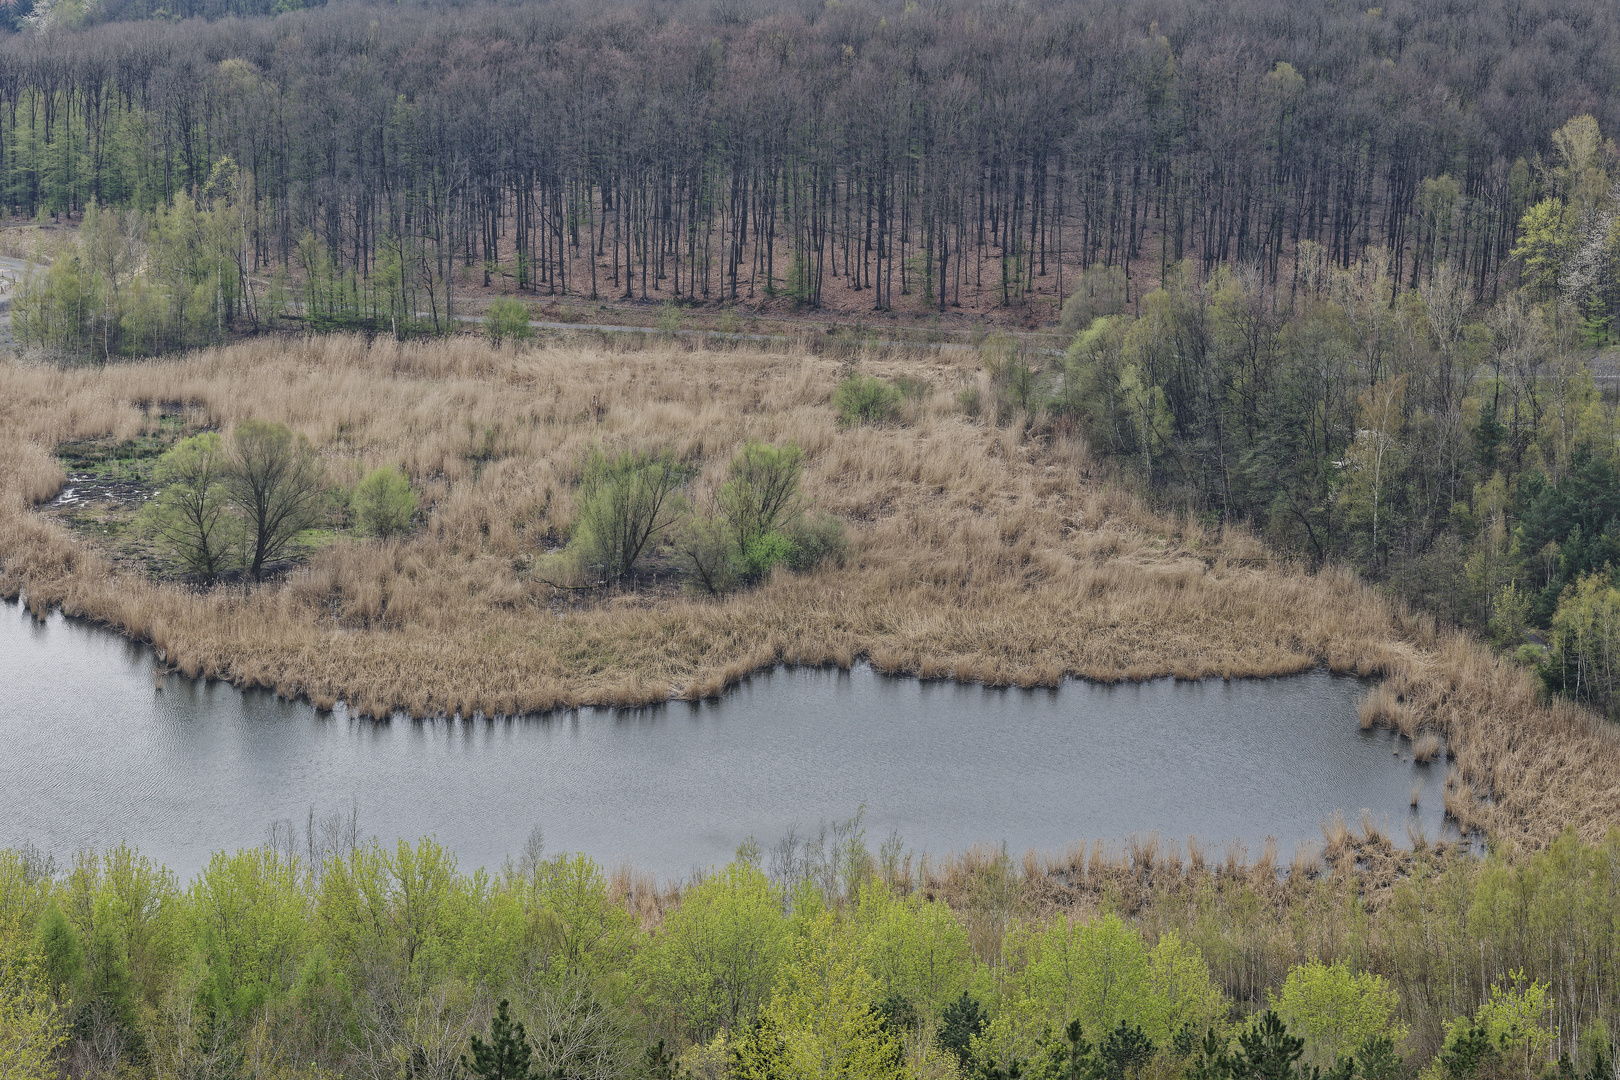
(92, 754)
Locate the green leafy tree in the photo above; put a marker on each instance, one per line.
(1146, 414)
(1516, 1019)
(712, 966)
(916, 949)
(249, 927)
(192, 514)
(32, 1027)
(1337, 1011)
(277, 482)
(1585, 661)
(1547, 238)
(384, 502)
(823, 1010)
(507, 1055)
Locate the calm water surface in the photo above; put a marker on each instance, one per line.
(92, 754)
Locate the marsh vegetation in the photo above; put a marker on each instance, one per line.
(952, 546)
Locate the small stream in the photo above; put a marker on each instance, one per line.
(94, 754)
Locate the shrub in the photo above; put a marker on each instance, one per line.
(507, 319)
(383, 503)
(861, 399)
(969, 401)
(624, 503)
(764, 553)
(912, 389)
(709, 552)
(761, 490)
(816, 538)
(758, 524)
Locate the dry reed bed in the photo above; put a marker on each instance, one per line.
(1128, 877)
(977, 553)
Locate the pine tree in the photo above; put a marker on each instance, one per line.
(507, 1055)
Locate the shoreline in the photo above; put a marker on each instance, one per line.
(980, 553)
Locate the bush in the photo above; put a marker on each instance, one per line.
(816, 539)
(759, 524)
(761, 490)
(912, 389)
(507, 319)
(624, 503)
(861, 399)
(765, 553)
(970, 402)
(383, 503)
(709, 552)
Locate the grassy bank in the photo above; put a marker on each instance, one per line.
(977, 551)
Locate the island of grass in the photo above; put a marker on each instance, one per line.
(958, 544)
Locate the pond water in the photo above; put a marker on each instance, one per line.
(93, 753)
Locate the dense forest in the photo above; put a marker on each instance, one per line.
(962, 155)
(316, 956)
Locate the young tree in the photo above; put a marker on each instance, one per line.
(823, 1011)
(31, 1026)
(192, 515)
(963, 1021)
(760, 495)
(507, 1055)
(625, 502)
(1336, 1011)
(712, 966)
(277, 481)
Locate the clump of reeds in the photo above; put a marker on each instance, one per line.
(1427, 746)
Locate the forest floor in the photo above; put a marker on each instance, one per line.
(980, 552)
(977, 306)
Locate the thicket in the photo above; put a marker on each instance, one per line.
(317, 956)
(634, 504)
(727, 151)
(242, 503)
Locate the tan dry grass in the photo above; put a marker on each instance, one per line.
(977, 552)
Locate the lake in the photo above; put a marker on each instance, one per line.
(95, 753)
